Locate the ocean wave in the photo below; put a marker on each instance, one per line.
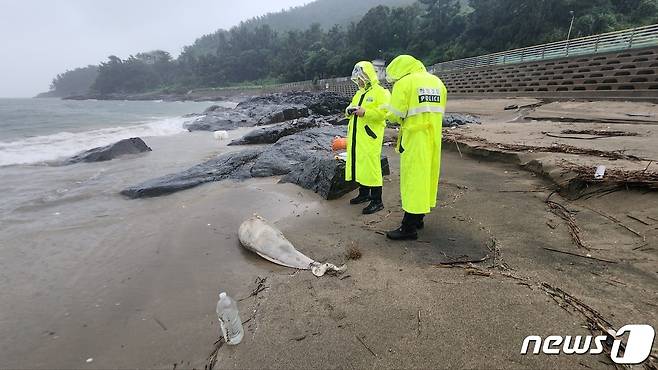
(42, 149)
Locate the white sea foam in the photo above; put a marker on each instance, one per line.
(41, 149)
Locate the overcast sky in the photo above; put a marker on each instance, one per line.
(41, 38)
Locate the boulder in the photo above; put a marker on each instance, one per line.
(306, 156)
(211, 108)
(220, 119)
(126, 146)
(271, 134)
(458, 119)
(233, 165)
(326, 176)
(294, 150)
(323, 103)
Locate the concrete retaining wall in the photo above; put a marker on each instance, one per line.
(624, 75)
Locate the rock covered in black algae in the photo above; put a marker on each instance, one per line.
(126, 146)
(271, 134)
(326, 176)
(269, 109)
(212, 108)
(220, 119)
(290, 151)
(457, 119)
(306, 155)
(233, 165)
(322, 103)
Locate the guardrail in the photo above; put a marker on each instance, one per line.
(604, 43)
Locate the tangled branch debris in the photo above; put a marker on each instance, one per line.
(260, 286)
(596, 323)
(600, 132)
(614, 176)
(212, 358)
(556, 148)
(562, 212)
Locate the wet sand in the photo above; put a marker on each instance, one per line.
(134, 283)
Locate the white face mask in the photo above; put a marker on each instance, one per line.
(358, 75)
(390, 79)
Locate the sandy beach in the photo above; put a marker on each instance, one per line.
(134, 283)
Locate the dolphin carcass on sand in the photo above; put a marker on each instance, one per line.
(268, 242)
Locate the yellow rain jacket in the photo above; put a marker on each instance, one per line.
(418, 103)
(365, 135)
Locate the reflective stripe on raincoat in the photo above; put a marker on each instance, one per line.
(365, 135)
(418, 103)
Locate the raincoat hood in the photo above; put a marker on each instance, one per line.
(369, 71)
(402, 66)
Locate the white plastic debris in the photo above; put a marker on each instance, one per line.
(90, 360)
(600, 172)
(220, 135)
(342, 156)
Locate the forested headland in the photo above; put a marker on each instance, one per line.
(268, 50)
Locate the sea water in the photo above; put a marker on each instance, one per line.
(34, 131)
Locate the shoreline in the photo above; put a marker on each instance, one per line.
(133, 283)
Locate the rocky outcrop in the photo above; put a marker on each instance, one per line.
(326, 176)
(127, 146)
(220, 119)
(310, 150)
(271, 134)
(323, 103)
(234, 165)
(246, 116)
(270, 109)
(458, 119)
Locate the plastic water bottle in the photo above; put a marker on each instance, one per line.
(229, 319)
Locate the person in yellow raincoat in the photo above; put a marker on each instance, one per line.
(365, 135)
(418, 103)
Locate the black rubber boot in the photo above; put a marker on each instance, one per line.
(376, 204)
(420, 224)
(364, 196)
(373, 207)
(403, 233)
(407, 231)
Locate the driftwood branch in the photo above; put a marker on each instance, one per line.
(578, 255)
(364, 345)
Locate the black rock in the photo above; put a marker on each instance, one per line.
(289, 151)
(126, 146)
(326, 176)
(457, 119)
(306, 156)
(233, 165)
(271, 134)
(270, 109)
(220, 119)
(212, 108)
